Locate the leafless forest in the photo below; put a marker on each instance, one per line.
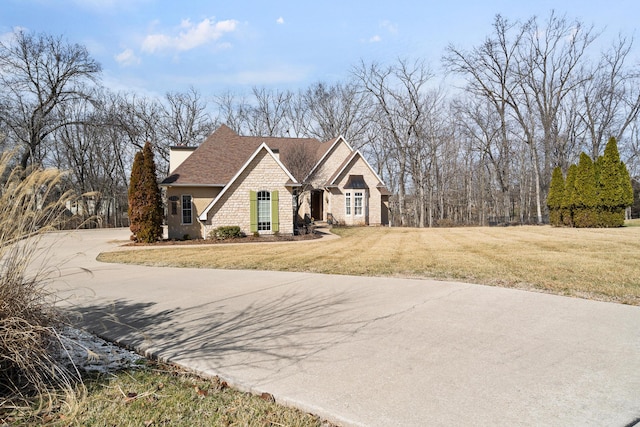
(479, 149)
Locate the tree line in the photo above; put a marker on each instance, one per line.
(527, 99)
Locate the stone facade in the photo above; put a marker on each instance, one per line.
(330, 165)
(375, 205)
(227, 171)
(332, 161)
(233, 208)
(371, 215)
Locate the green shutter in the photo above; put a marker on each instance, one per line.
(275, 220)
(253, 208)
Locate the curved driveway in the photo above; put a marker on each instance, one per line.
(368, 351)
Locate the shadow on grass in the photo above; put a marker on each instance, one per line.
(270, 333)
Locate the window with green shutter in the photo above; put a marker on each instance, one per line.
(264, 215)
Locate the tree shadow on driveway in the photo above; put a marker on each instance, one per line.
(271, 333)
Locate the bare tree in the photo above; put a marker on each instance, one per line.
(185, 120)
(39, 75)
(530, 72)
(338, 109)
(479, 122)
(97, 156)
(550, 68)
(268, 117)
(139, 119)
(611, 98)
(490, 72)
(403, 114)
(230, 111)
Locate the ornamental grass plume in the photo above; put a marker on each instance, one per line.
(30, 371)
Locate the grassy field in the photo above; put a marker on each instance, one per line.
(156, 394)
(161, 395)
(601, 264)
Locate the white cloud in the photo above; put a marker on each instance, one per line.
(190, 35)
(280, 20)
(127, 58)
(389, 26)
(375, 39)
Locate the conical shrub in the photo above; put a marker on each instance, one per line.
(567, 199)
(554, 199)
(585, 195)
(145, 201)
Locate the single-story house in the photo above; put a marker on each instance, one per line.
(268, 185)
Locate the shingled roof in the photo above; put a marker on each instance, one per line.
(223, 153)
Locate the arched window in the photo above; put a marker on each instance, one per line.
(263, 208)
(264, 211)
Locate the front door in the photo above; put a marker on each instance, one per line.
(316, 205)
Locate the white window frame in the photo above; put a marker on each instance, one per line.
(347, 203)
(184, 210)
(358, 209)
(264, 210)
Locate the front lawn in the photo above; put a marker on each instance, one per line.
(601, 264)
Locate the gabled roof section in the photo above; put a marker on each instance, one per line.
(224, 152)
(334, 178)
(327, 148)
(292, 181)
(215, 161)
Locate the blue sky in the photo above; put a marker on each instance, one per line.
(153, 46)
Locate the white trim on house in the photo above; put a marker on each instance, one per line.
(182, 209)
(203, 215)
(326, 154)
(192, 185)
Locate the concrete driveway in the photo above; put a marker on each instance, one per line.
(368, 351)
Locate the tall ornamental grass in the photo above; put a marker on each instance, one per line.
(31, 373)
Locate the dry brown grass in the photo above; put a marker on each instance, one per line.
(31, 377)
(161, 395)
(600, 264)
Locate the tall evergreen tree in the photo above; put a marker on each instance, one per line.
(554, 199)
(585, 195)
(567, 199)
(145, 201)
(627, 186)
(611, 190)
(614, 187)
